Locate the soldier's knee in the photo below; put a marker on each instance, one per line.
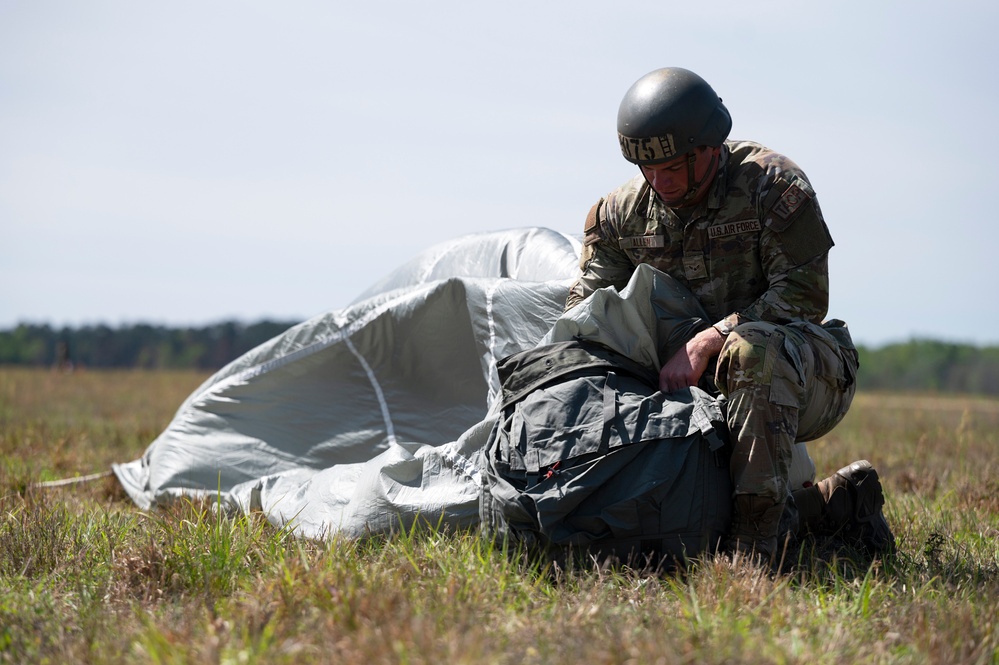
(746, 346)
(747, 342)
(742, 361)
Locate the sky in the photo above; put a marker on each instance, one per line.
(189, 162)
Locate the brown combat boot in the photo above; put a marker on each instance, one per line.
(754, 527)
(848, 504)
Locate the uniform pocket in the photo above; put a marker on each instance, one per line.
(788, 370)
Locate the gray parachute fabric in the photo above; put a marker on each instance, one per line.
(358, 394)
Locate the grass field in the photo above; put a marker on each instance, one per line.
(86, 577)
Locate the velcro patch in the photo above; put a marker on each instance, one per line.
(790, 200)
(592, 219)
(640, 242)
(733, 228)
(694, 267)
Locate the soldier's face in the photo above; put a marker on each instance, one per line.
(670, 180)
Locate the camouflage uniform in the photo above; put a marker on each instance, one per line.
(754, 252)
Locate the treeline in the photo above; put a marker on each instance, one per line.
(916, 365)
(139, 346)
(928, 365)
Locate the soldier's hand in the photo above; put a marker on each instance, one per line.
(687, 365)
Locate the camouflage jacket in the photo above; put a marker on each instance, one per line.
(755, 249)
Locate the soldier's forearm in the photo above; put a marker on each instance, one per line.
(801, 294)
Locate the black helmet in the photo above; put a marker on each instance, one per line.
(669, 112)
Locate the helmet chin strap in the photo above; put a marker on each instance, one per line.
(695, 185)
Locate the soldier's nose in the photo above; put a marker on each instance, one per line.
(661, 180)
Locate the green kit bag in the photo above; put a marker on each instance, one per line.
(587, 457)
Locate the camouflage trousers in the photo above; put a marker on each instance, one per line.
(782, 383)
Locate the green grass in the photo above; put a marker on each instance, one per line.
(86, 577)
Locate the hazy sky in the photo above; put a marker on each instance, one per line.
(187, 162)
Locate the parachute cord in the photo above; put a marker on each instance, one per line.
(72, 481)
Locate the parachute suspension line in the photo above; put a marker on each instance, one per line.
(72, 481)
(493, 378)
(389, 429)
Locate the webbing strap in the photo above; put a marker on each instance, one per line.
(529, 370)
(609, 411)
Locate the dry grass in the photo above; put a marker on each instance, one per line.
(85, 577)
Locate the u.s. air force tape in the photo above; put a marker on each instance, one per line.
(647, 149)
(732, 228)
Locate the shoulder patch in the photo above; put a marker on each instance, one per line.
(591, 229)
(591, 218)
(792, 199)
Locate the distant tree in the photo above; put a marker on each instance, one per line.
(140, 345)
(26, 345)
(929, 365)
